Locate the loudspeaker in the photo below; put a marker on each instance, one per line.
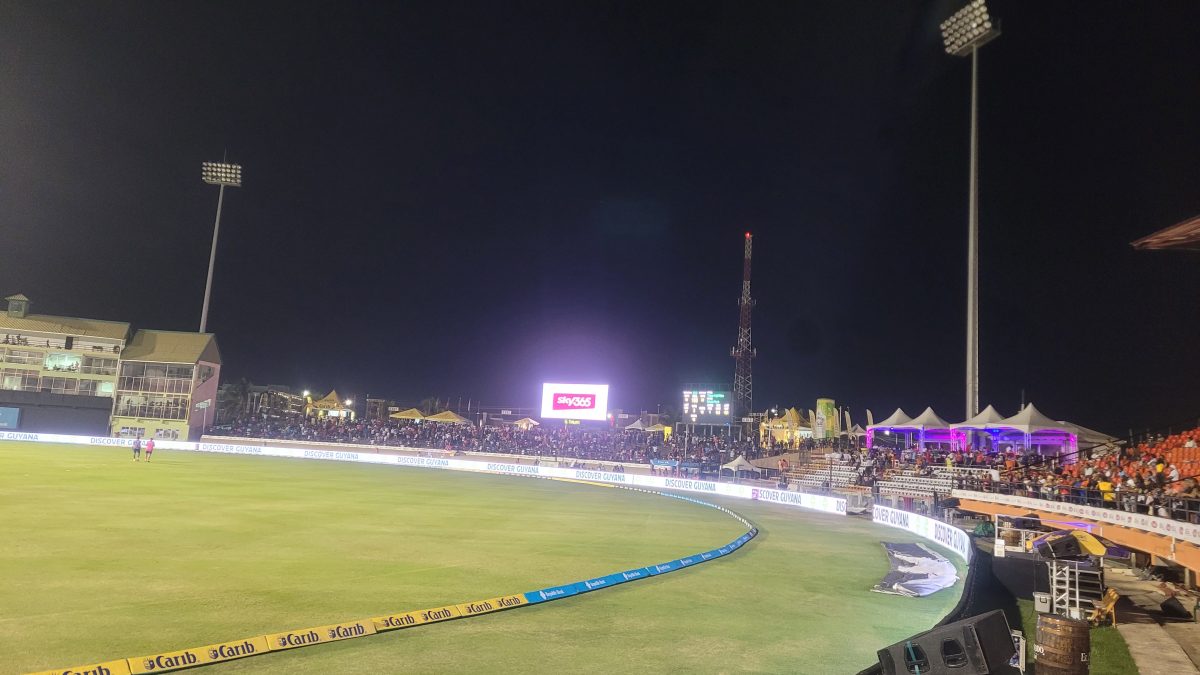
(1061, 547)
(980, 645)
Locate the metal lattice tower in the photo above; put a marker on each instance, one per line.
(743, 379)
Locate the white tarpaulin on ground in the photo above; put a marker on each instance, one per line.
(916, 571)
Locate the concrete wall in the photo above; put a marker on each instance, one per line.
(59, 413)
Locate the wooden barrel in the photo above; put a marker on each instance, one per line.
(1063, 645)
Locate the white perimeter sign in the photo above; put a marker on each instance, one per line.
(574, 401)
(836, 505)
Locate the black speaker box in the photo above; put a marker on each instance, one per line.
(1061, 547)
(980, 645)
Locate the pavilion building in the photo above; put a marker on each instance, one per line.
(62, 374)
(167, 387)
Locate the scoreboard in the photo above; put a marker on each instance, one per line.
(706, 406)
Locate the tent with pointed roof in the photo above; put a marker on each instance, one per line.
(636, 426)
(740, 463)
(1038, 432)
(526, 423)
(926, 421)
(330, 401)
(928, 427)
(967, 432)
(1031, 421)
(447, 417)
(410, 414)
(656, 428)
(988, 415)
(895, 421)
(788, 428)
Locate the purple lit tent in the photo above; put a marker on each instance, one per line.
(893, 422)
(1031, 429)
(928, 427)
(967, 429)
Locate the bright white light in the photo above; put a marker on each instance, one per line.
(574, 401)
(220, 173)
(968, 28)
(349, 402)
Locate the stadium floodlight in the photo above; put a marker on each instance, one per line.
(969, 29)
(963, 34)
(225, 175)
(349, 401)
(306, 392)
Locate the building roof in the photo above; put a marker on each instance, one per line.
(18, 296)
(168, 346)
(1185, 235)
(63, 325)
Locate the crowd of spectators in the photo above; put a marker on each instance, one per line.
(1157, 477)
(583, 443)
(1160, 476)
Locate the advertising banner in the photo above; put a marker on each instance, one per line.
(826, 422)
(1165, 526)
(119, 667)
(823, 503)
(491, 605)
(574, 401)
(936, 531)
(415, 618)
(311, 636)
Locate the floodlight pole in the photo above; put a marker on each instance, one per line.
(212, 261)
(973, 248)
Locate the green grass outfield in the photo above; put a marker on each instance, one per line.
(104, 558)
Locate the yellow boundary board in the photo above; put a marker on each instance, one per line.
(301, 637)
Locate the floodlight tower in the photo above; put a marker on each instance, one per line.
(963, 34)
(225, 175)
(743, 381)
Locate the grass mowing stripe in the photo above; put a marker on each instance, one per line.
(181, 659)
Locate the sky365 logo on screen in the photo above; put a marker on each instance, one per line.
(574, 401)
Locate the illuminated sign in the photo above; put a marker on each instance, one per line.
(574, 401)
(707, 406)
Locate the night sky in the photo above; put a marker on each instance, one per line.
(465, 199)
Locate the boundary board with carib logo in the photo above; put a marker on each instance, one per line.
(192, 657)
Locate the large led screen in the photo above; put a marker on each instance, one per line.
(574, 401)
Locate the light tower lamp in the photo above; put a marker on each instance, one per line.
(225, 175)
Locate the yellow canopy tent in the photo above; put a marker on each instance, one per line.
(526, 423)
(410, 414)
(448, 417)
(331, 405)
(331, 401)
